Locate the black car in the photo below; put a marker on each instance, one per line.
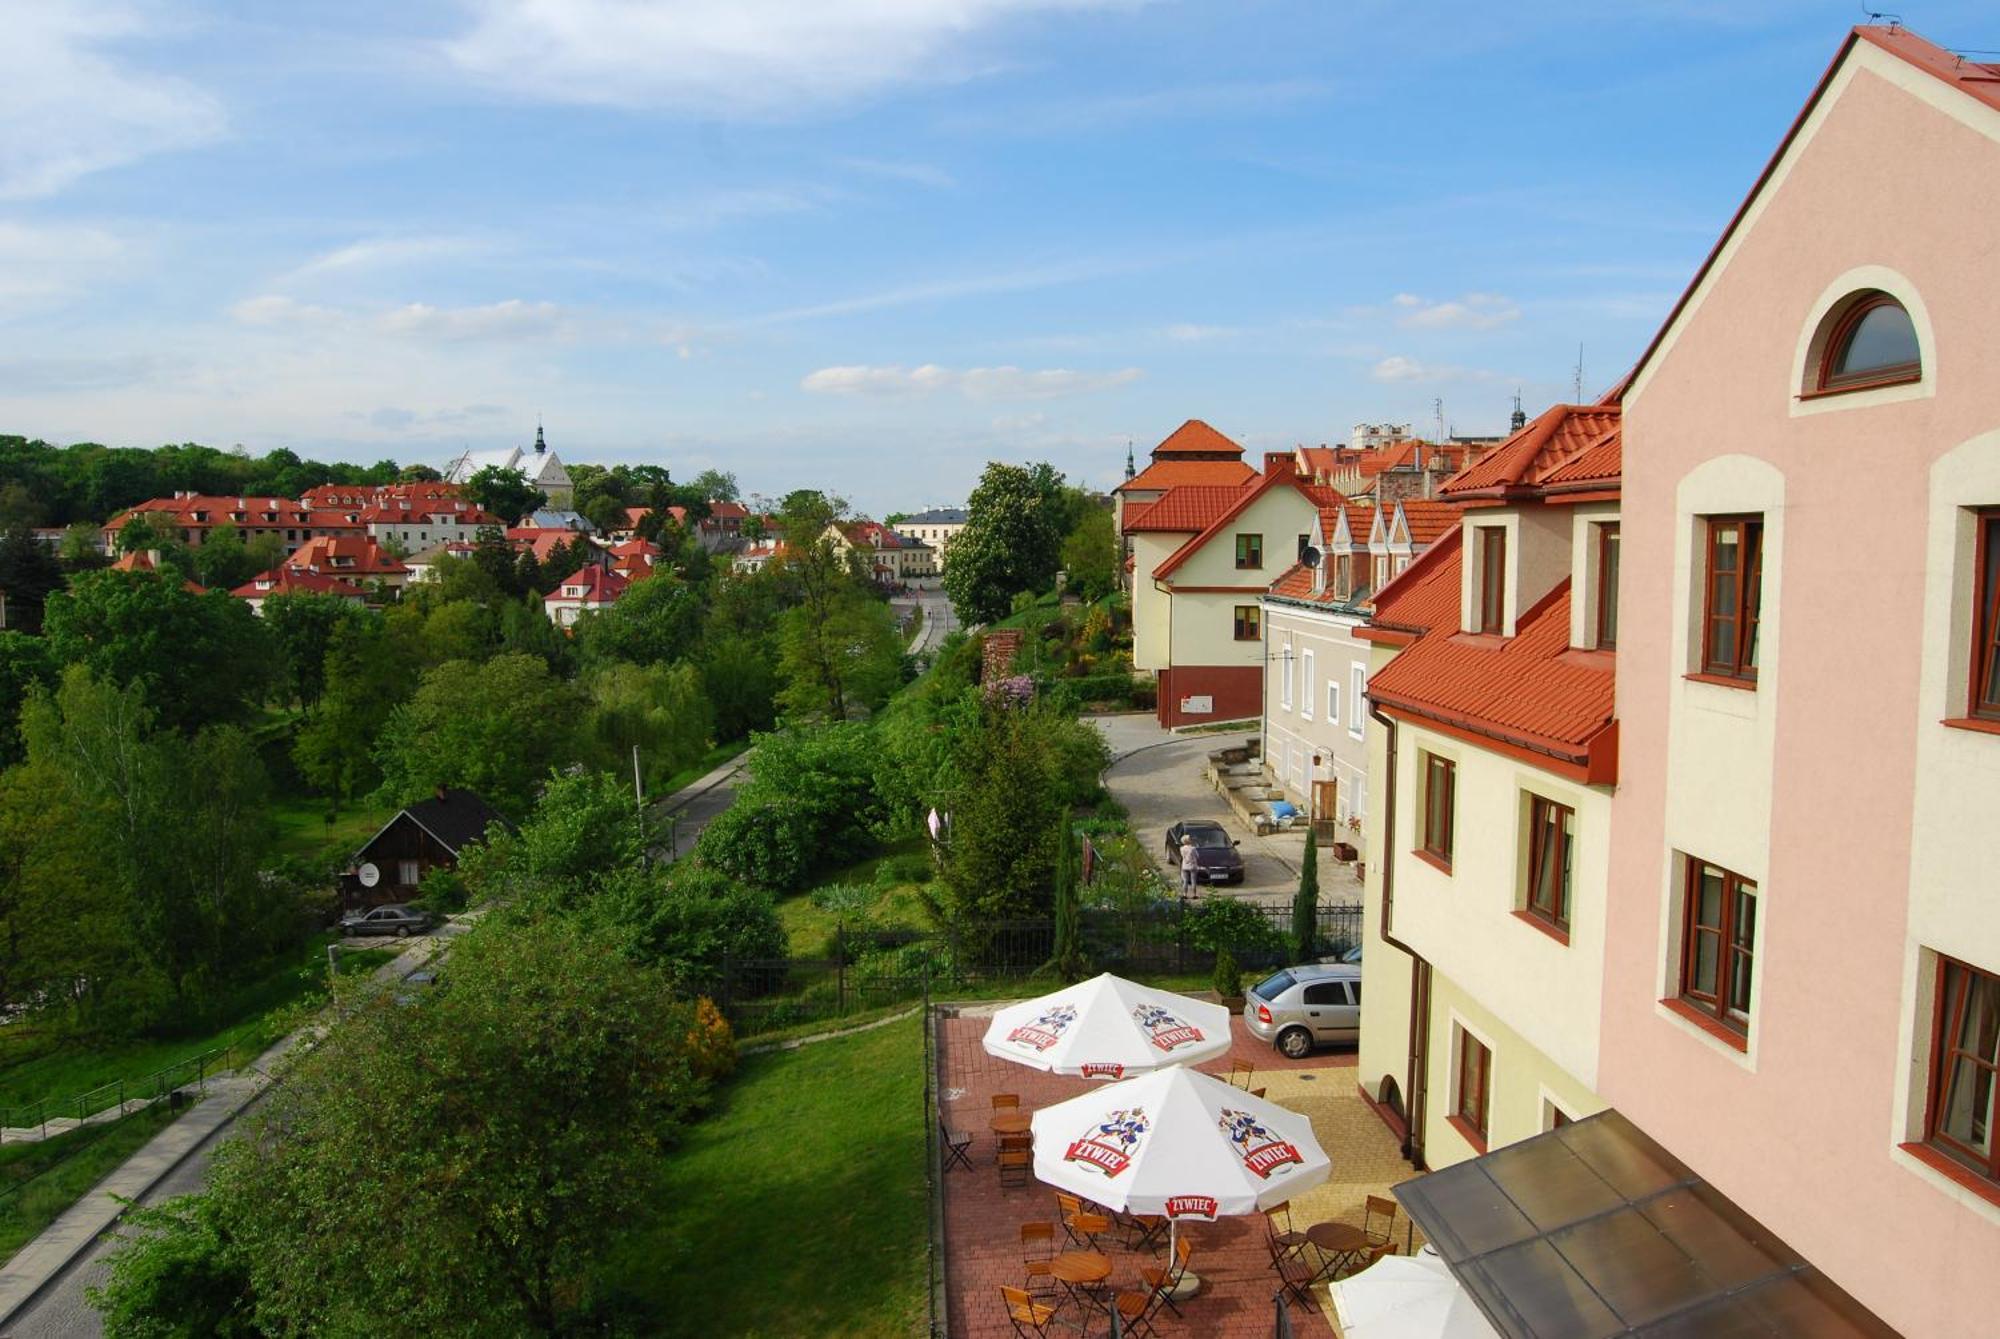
(1216, 858)
(394, 919)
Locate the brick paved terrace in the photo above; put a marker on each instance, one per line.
(983, 1219)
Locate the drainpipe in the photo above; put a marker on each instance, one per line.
(1416, 1079)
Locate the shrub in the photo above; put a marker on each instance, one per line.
(1225, 925)
(1228, 979)
(905, 869)
(711, 1043)
(688, 920)
(443, 891)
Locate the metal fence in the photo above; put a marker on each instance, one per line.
(875, 969)
(123, 1095)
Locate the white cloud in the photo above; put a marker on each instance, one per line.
(1474, 311)
(512, 319)
(711, 209)
(380, 253)
(67, 109)
(42, 266)
(920, 174)
(729, 57)
(975, 383)
(1399, 368)
(1186, 332)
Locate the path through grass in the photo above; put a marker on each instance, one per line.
(797, 1207)
(39, 1181)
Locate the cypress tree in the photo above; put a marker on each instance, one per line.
(1305, 903)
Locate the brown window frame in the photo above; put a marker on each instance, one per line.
(1547, 818)
(1249, 552)
(1719, 1004)
(1947, 1028)
(1343, 576)
(1492, 579)
(1440, 812)
(1254, 623)
(1747, 580)
(1985, 619)
(1607, 586)
(1829, 381)
(1475, 1100)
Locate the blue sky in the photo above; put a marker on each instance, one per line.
(864, 245)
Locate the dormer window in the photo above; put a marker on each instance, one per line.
(1867, 341)
(1607, 586)
(1343, 576)
(1491, 596)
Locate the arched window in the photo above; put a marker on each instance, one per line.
(1869, 340)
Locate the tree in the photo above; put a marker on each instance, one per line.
(29, 573)
(741, 684)
(810, 805)
(79, 549)
(716, 486)
(1011, 542)
(223, 561)
(450, 1169)
(497, 728)
(1305, 904)
(657, 620)
(200, 658)
(1090, 556)
(368, 673)
(657, 708)
(841, 654)
(505, 493)
(303, 626)
(25, 664)
(1067, 962)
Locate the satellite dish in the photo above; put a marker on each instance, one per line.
(368, 874)
(1309, 556)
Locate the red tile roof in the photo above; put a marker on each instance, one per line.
(1523, 465)
(1423, 596)
(1360, 519)
(1194, 437)
(1188, 508)
(1428, 519)
(1295, 584)
(289, 581)
(1314, 493)
(1190, 473)
(348, 555)
(597, 585)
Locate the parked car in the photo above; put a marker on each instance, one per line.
(394, 919)
(1298, 1008)
(1216, 858)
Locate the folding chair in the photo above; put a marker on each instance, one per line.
(1080, 1225)
(956, 1145)
(1014, 1165)
(1028, 1315)
(1164, 1281)
(1142, 1230)
(1298, 1275)
(1281, 1237)
(1385, 1209)
(1241, 1069)
(1258, 1092)
(1135, 1311)
(1006, 1101)
(1038, 1248)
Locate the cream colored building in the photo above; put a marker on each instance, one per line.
(935, 529)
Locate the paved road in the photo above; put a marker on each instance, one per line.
(1158, 776)
(938, 621)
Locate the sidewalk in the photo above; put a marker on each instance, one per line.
(35, 1265)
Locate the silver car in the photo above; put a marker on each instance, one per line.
(1298, 1008)
(393, 919)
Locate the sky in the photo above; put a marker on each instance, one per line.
(861, 245)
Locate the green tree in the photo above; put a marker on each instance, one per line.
(1067, 962)
(178, 1273)
(658, 709)
(29, 573)
(224, 560)
(1011, 542)
(716, 486)
(497, 728)
(839, 654)
(810, 805)
(303, 626)
(740, 681)
(1305, 904)
(200, 658)
(505, 493)
(25, 664)
(368, 673)
(450, 1169)
(1090, 555)
(656, 621)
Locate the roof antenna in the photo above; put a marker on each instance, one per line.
(1877, 15)
(1577, 382)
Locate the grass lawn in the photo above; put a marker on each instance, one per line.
(38, 1181)
(797, 1207)
(250, 1018)
(303, 832)
(808, 926)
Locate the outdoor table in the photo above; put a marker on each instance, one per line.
(1011, 1122)
(1340, 1243)
(1079, 1271)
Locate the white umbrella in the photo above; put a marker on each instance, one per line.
(1408, 1297)
(1108, 1027)
(1178, 1143)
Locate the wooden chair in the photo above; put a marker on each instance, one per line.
(1006, 1101)
(1135, 1311)
(1028, 1315)
(1259, 1092)
(1281, 1237)
(956, 1145)
(1163, 1281)
(1038, 1248)
(1298, 1275)
(1142, 1230)
(1014, 1166)
(1241, 1069)
(1080, 1225)
(1384, 1209)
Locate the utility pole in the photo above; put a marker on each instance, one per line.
(1577, 383)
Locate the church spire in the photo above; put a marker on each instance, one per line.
(541, 446)
(1130, 470)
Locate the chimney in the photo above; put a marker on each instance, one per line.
(1282, 464)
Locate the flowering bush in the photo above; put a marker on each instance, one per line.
(711, 1043)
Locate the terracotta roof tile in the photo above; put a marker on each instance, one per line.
(1190, 473)
(1194, 436)
(1600, 464)
(1527, 459)
(1190, 507)
(1428, 519)
(1423, 596)
(1314, 493)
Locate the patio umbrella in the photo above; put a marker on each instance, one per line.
(1178, 1143)
(1108, 1027)
(1408, 1297)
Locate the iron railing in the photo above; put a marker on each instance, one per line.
(122, 1095)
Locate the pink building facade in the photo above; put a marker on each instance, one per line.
(1802, 962)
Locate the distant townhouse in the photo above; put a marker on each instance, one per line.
(291, 581)
(893, 559)
(148, 561)
(423, 564)
(1203, 558)
(633, 559)
(351, 558)
(413, 524)
(935, 529)
(1804, 949)
(192, 517)
(758, 554)
(1315, 726)
(587, 590)
(1193, 455)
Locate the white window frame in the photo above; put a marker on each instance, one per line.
(1357, 680)
(1285, 678)
(1333, 702)
(1305, 685)
(408, 873)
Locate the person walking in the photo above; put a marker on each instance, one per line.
(1190, 867)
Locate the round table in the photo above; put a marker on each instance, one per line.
(1339, 1242)
(1078, 1270)
(1011, 1122)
